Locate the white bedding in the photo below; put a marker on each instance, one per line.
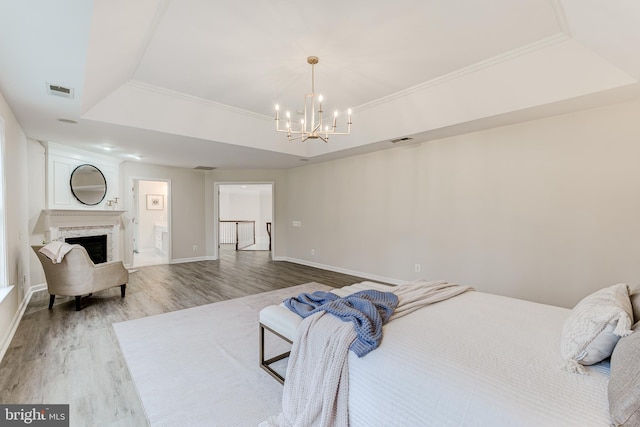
(475, 360)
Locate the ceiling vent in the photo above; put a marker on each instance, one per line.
(60, 91)
(401, 140)
(205, 168)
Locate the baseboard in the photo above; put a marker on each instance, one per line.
(201, 258)
(15, 322)
(37, 288)
(372, 277)
(133, 269)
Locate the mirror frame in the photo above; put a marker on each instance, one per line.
(104, 180)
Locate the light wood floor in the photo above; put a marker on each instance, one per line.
(64, 356)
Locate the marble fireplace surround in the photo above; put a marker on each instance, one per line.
(62, 223)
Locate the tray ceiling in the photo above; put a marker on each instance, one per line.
(194, 82)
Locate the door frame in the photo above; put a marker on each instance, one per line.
(134, 214)
(216, 212)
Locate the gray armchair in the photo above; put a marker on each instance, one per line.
(76, 275)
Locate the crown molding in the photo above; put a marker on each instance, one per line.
(561, 17)
(562, 35)
(537, 45)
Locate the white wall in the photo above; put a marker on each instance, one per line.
(37, 178)
(16, 177)
(547, 210)
(265, 215)
(62, 161)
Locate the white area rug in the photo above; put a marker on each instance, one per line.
(200, 366)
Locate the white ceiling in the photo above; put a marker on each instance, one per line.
(194, 82)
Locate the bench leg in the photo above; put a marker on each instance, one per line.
(265, 364)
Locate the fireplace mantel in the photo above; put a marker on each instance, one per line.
(81, 212)
(78, 217)
(64, 223)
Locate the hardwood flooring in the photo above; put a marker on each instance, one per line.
(69, 357)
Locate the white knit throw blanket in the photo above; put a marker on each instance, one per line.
(316, 391)
(56, 251)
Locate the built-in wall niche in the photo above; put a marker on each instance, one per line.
(61, 161)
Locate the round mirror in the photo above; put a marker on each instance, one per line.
(88, 184)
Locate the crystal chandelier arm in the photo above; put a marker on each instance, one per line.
(319, 125)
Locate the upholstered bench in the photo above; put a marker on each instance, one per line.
(282, 322)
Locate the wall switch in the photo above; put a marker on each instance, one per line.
(417, 268)
(297, 223)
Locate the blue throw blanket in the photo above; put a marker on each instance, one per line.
(367, 310)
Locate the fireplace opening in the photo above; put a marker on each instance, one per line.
(96, 246)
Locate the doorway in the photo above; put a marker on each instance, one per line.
(151, 230)
(245, 216)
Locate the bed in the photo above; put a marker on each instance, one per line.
(478, 359)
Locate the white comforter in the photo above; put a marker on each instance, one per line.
(316, 392)
(475, 360)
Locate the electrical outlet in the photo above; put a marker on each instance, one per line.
(313, 251)
(195, 248)
(417, 268)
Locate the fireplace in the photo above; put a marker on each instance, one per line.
(62, 225)
(96, 246)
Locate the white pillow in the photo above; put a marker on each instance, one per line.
(594, 326)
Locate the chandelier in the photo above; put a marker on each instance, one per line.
(311, 123)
